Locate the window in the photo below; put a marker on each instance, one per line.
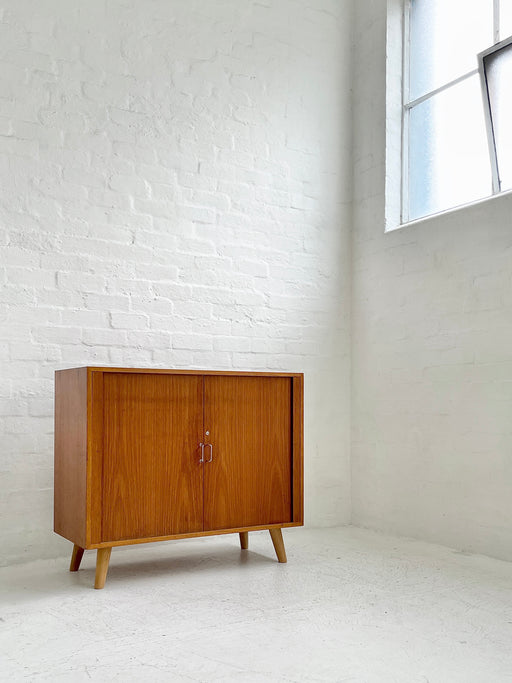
(452, 136)
(496, 76)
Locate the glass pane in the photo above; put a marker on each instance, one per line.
(448, 154)
(445, 37)
(498, 67)
(505, 19)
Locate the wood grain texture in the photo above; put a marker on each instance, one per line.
(76, 558)
(249, 481)
(102, 562)
(95, 415)
(298, 448)
(152, 478)
(171, 371)
(277, 539)
(193, 534)
(70, 455)
(88, 435)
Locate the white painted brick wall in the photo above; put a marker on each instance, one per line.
(432, 347)
(175, 191)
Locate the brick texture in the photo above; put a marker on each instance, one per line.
(175, 192)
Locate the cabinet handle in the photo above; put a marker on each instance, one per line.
(211, 452)
(201, 446)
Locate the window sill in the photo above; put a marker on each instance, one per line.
(454, 210)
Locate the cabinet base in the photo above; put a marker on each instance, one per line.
(103, 555)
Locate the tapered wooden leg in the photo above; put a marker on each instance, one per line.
(102, 560)
(76, 558)
(277, 540)
(244, 540)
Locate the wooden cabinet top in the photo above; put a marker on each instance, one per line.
(170, 371)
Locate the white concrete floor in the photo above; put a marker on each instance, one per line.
(350, 605)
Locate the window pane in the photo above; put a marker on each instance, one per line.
(505, 19)
(445, 37)
(498, 67)
(448, 154)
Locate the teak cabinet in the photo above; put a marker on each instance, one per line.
(146, 455)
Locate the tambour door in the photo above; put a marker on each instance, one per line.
(248, 454)
(152, 480)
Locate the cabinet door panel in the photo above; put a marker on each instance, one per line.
(152, 478)
(249, 481)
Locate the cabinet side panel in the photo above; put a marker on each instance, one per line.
(70, 454)
(298, 448)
